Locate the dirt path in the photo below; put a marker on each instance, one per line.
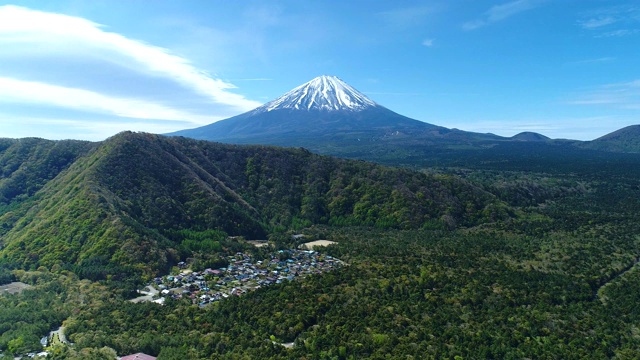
(603, 299)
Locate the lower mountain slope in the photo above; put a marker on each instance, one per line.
(27, 164)
(120, 210)
(336, 133)
(626, 139)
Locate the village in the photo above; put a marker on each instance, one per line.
(242, 275)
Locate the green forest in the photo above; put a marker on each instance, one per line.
(518, 251)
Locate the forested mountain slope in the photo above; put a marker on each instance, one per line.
(117, 211)
(626, 139)
(27, 164)
(559, 282)
(430, 274)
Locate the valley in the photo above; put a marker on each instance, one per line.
(442, 243)
(509, 269)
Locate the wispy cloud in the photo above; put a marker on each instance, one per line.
(70, 37)
(619, 95)
(500, 12)
(18, 91)
(428, 42)
(597, 22)
(93, 129)
(624, 17)
(406, 16)
(593, 61)
(250, 79)
(618, 33)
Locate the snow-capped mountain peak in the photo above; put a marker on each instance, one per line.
(325, 93)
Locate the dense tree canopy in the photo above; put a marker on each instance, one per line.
(115, 212)
(480, 257)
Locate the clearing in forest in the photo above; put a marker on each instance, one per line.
(311, 244)
(13, 288)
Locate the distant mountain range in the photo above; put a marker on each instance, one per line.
(326, 111)
(328, 116)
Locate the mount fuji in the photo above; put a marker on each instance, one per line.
(323, 113)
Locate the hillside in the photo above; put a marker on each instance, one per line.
(27, 164)
(438, 265)
(626, 139)
(124, 207)
(529, 136)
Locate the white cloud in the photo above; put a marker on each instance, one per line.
(620, 20)
(406, 16)
(18, 91)
(501, 12)
(428, 42)
(597, 22)
(593, 61)
(618, 33)
(87, 129)
(251, 79)
(69, 34)
(619, 95)
(474, 24)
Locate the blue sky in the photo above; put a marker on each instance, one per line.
(90, 69)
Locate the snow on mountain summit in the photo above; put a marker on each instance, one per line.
(325, 93)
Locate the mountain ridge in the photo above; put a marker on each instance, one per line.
(325, 109)
(626, 139)
(328, 116)
(119, 207)
(529, 136)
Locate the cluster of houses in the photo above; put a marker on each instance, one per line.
(242, 275)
